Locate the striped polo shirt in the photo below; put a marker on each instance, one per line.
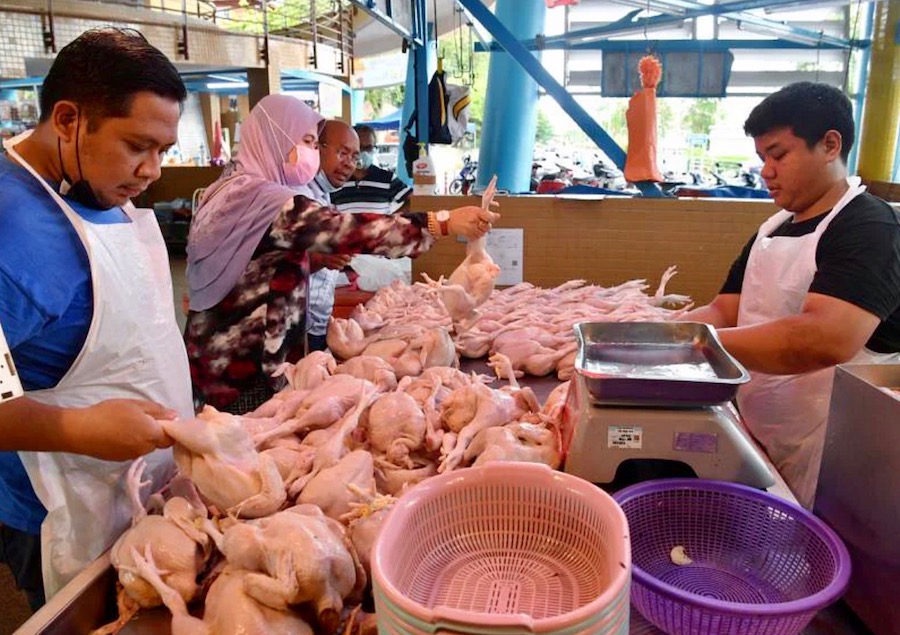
(378, 191)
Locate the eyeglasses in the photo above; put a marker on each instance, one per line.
(343, 154)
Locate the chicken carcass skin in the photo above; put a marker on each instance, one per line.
(320, 408)
(292, 458)
(309, 372)
(371, 368)
(179, 546)
(394, 480)
(477, 272)
(298, 556)
(364, 523)
(475, 407)
(345, 337)
(228, 610)
(396, 427)
(216, 452)
(332, 489)
(331, 444)
(437, 349)
(523, 442)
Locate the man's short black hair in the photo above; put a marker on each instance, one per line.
(809, 110)
(362, 129)
(102, 69)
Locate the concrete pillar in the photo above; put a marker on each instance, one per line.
(212, 112)
(882, 112)
(510, 109)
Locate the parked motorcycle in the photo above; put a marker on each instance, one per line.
(467, 175)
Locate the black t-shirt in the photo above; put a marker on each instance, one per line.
(857, 260)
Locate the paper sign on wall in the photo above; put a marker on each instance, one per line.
(505, 248)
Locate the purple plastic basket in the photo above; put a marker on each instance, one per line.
(760, 565)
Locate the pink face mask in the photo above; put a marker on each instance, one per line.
(307, 165)
(306, 168)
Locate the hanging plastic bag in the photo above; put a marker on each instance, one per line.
(640, 162)
(458, 100)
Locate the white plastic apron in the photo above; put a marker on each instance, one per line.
(133, 350)
(787, 413)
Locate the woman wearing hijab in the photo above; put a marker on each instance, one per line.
(247, 253)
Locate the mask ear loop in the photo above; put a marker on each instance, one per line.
(273, 126)
(77, 153)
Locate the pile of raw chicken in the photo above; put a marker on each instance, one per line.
(272, 519)
(278, 510)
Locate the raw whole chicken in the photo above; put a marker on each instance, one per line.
(526, 400)
(216, 452)
(371, 368)
(394, 480)
(437, 349)
(476, 274)
(364, 523)
(332, 443)
(174, 538)
(466, 412)
(293, 458)
(396, 427)
(335, 488)
(345, 337)
(525, 442)
(320, 408)
(228, 610)
(309, 372)
(298, 556)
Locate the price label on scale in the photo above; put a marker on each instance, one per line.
(625, 437)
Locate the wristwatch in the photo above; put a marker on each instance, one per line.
(443, 219)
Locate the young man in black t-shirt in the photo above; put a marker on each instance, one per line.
(818, 285)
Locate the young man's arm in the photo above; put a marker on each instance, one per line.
(115, 430)
(721, 312)
(828, 331)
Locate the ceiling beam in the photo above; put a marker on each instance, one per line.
(686, 10)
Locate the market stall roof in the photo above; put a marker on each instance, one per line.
(391, 121)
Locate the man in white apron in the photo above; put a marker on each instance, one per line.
(86, 303)
(818, 285)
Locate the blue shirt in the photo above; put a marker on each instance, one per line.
(46, 305)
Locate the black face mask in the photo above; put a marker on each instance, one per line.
(80, 191)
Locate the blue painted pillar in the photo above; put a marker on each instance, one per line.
(421, 64)
(510, 108)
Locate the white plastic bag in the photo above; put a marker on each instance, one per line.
(376, 272)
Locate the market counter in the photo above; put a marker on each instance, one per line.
(89, 600)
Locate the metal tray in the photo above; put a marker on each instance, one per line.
(656, 364)
(88, 602)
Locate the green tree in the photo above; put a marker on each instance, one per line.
(544, 130)
(702, 115)
(390, 96)
(665, 116)
(460, 68)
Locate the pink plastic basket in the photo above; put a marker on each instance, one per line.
(511, 547)
(758, 565)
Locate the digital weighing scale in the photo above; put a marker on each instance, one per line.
(657, 393)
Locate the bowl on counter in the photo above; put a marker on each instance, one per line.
(711, 557)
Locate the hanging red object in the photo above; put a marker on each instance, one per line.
(640, 161)
(560, 3)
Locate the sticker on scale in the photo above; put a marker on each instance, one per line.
(625, 437)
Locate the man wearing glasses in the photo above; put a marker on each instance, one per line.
(338, 153)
